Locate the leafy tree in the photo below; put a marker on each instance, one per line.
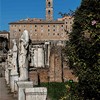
(83, 49)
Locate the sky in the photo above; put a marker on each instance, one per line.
(14, 10)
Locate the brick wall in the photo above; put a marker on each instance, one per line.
(39, 75)
(55, 70)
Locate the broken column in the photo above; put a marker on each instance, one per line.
(40, 56)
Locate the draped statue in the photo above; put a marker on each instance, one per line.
(23, 56)
(14, 57)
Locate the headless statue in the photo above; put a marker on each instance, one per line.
(14, 57)
(23, 56)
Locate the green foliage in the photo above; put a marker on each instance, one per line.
(61, 91)
(55, 90)
(83, 49)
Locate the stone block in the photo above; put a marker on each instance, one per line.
(22, 85)
(13, 80)
(37, 93)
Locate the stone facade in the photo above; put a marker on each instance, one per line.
(43, 29)
(39, 30)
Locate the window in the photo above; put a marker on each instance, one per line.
(53, 29)
(53, 25)
(35, 30)
(35, 25)
(53, 33)
(49, 4)
(57, 33)
(19, 30)
(48, 29)
(49, 12)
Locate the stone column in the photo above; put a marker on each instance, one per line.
(37, 93)
(22, 85)
(36, 57)
(32, 57)
(47, 52)
(40, 57)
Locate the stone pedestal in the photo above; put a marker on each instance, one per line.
(22, 85)
(8, 76)
(37, 93)
(13, 80)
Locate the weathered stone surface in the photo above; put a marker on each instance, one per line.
(21, 87)
(23, 56)
(33, 76)
(37, 93)
(55, 72)
(39, 75)
(13, 80)
(43, 74)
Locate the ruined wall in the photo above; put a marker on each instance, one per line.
(55, 70)
(39, 75)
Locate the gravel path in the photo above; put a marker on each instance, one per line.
(4, 91)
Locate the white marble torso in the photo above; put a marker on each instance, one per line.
(23, 56)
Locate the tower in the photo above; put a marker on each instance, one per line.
(49, 10)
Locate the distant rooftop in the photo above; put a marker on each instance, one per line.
(4, 31)
(36, 21)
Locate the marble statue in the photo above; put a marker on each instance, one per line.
(10, 58)
(23, 56)
(14, 57)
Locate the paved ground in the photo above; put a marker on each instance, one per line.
(4, 91)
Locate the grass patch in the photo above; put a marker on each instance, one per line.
(55, 90)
